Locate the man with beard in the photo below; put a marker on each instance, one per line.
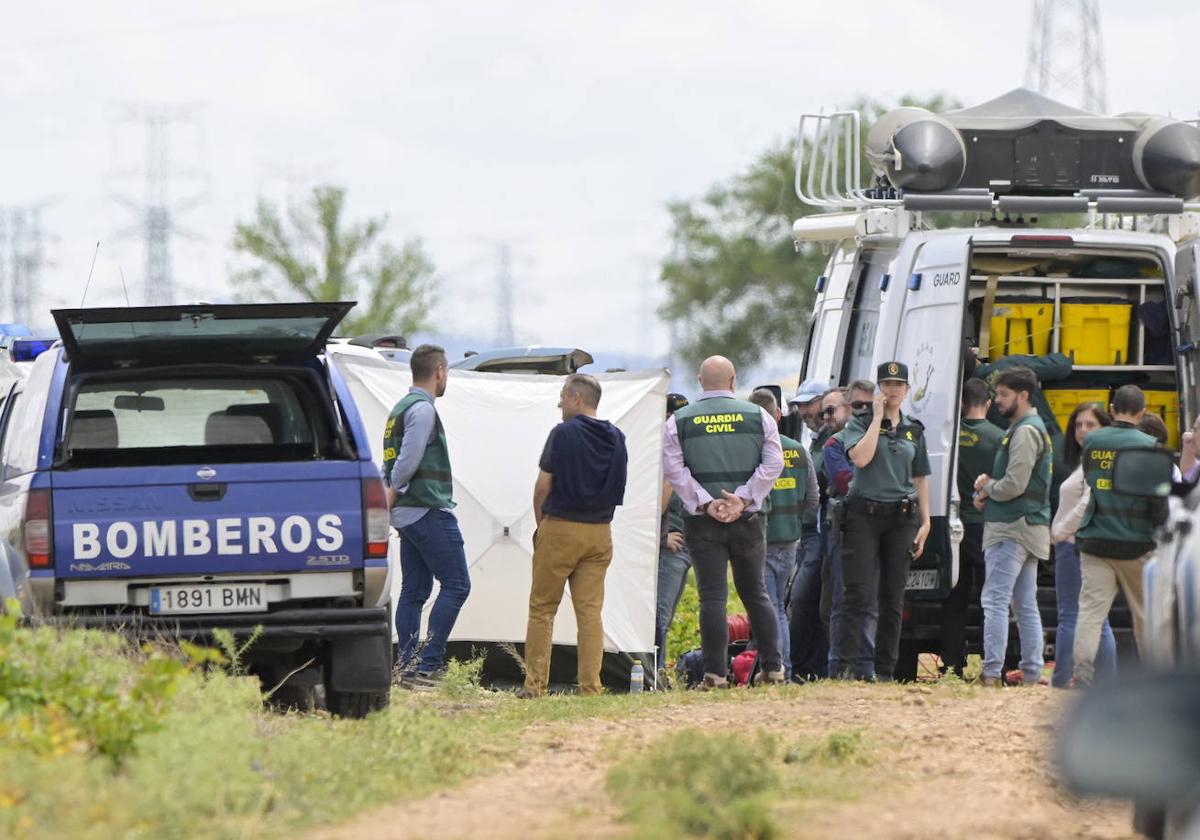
(416, 463)
(1015, 501)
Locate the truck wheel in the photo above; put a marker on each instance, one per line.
(358, 675)
(356, 704)
(906, 664)
(299, 691)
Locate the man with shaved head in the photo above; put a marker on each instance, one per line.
(581, 480)
(722, 456)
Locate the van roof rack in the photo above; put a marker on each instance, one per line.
(1019, 153)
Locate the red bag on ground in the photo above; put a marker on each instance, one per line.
(743, 664)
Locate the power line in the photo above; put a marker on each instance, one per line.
(159, 207)
(1066, 55)
(22, 257)
(505, 294)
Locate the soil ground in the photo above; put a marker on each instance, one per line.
(946, 761)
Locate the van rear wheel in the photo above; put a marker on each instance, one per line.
(355, 704)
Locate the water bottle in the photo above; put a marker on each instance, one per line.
(637, 677)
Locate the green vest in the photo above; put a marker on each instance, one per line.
(817, 450)
(722, 442)
(1034, 504)
(431, 485)
(978, 441)
(783, 525)
(1115, 525)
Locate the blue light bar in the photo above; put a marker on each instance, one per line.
(914, 282)
(28, 349)
(883, 282)
(821, 280)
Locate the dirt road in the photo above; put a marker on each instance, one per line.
(950, 762)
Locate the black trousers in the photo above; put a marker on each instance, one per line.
(715, 547)
(875, 564)
(954, 610)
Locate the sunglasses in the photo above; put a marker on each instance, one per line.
(859, 405)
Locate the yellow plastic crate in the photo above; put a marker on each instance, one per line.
(1165, 403)
(1020, 328)
(1063, 401)
(1095, 333)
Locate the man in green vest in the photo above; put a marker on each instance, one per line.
(794, 494)
(722, 456)
(416, 464)
(1015, 500)
(1116, 539)
(1052, 367)
(978, 440)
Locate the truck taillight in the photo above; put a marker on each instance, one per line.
(377, 521)
(39, 535)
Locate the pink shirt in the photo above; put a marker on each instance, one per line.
(756, 488)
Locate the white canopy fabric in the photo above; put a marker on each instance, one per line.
(496, 425)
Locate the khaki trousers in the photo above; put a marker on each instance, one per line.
(576, 553)
(1101, 577)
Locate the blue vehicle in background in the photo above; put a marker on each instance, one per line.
(177, 469)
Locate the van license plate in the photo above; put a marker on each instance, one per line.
(208, 598)
(923, 579)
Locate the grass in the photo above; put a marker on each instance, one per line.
(732, 786)
(99, 739)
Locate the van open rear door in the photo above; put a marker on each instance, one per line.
(1187, 292)
(930, 341)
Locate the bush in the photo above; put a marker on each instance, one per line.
(700, 785)
(79, 692)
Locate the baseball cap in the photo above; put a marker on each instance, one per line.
(810, 390)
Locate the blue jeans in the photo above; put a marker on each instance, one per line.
(866, 663)
(781, 559)
(1011, 577)
(1067, 580)
(672, 578)
(809, 647)
(431, 548)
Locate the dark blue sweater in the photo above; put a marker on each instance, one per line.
(588, 460)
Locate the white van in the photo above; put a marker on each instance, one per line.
(1118, 296)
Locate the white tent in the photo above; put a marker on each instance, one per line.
(496, 426)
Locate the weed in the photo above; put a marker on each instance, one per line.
(461, 679)
(511, 649)
(79, 691)
(698, 784)
(232, 650)
(840, 747)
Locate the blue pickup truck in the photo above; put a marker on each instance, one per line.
(177, 469)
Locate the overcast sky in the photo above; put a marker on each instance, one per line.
(561, 127)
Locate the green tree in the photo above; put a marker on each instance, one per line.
(314, 253)
(735, 282)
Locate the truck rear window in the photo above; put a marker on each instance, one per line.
(185, 420)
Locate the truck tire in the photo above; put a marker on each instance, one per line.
(298, 692)
(355, 704)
